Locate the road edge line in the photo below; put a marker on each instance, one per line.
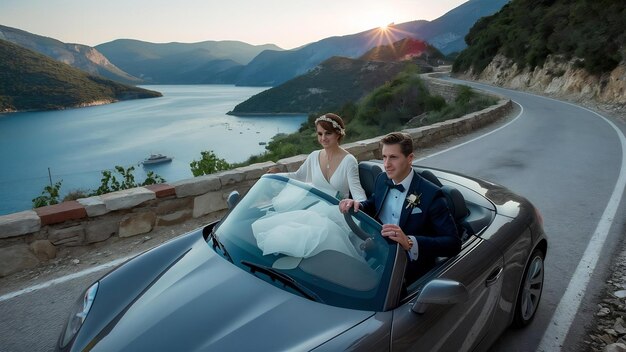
(62, 279)
(565, 313)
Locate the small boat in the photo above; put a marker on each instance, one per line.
(156, 159)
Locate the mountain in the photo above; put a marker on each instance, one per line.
(233, 62)
(446, 33)
(340, 80)
(79, 56)
(32, 81)
(528, 31)
(271, 68)
(182, 63)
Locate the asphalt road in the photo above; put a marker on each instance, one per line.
(564, 158)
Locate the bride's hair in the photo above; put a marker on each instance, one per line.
(332, 122)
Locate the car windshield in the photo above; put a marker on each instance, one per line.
(293, 236)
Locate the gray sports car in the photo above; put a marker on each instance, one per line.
(285, 270)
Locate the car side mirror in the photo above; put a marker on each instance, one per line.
(440, 291)
(232, 200)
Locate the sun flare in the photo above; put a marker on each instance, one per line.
(387, 34)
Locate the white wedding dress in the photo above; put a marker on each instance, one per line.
(343, 182)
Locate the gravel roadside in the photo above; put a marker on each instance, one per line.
(607, 331)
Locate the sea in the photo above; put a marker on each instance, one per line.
(74, 146)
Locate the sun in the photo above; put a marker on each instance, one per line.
(386, 27)
(386, 35)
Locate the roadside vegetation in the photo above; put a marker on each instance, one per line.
(467, 101)
(592, 31)
(109, 183)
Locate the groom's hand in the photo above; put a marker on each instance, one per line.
(395, 233)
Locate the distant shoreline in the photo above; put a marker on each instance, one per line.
(261, 114)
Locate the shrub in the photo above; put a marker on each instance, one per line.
(208, 164)
(109, 183)
(76, 194)
(49, 196)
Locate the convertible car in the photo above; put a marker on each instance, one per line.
(286, 270)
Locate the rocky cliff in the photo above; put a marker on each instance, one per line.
(562, 79)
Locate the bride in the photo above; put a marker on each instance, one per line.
(331, 169)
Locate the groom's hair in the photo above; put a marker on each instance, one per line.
(404, 140)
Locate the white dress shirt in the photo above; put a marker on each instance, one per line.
(392, 209)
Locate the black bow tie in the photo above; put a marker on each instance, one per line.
(391, 185)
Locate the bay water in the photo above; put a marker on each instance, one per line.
(76, 145)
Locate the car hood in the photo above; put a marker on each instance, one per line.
(203, 302)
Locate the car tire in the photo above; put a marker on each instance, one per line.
(530, 290)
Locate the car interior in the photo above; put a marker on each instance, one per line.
(471, 217)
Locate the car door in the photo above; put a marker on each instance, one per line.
(452, 326)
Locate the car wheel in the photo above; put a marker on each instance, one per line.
(530, 291)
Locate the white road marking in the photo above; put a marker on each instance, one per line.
(64, 278)
(475, 139)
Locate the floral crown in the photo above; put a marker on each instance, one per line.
(333, 122)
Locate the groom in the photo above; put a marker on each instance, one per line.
(413, 211)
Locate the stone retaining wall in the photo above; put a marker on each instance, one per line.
(442, 88)
(31, 236)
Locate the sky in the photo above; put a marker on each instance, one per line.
(286, 23)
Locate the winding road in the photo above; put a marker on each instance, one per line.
(571, 163)
(568, 160)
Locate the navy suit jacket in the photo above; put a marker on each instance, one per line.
(430, 221)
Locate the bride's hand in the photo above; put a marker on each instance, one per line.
(273, 170)
(346, 204)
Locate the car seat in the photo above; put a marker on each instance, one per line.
(368, 171)
(456, 204)
(458, 208)
(428, 175)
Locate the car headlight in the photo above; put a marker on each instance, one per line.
(78, 314)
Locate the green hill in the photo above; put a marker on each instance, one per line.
(333, 83)
(80, 56)
(527, 31)
(32, 81)
(406, 49)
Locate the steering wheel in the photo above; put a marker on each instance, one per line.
(354, 227)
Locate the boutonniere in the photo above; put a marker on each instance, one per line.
(413, 200)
